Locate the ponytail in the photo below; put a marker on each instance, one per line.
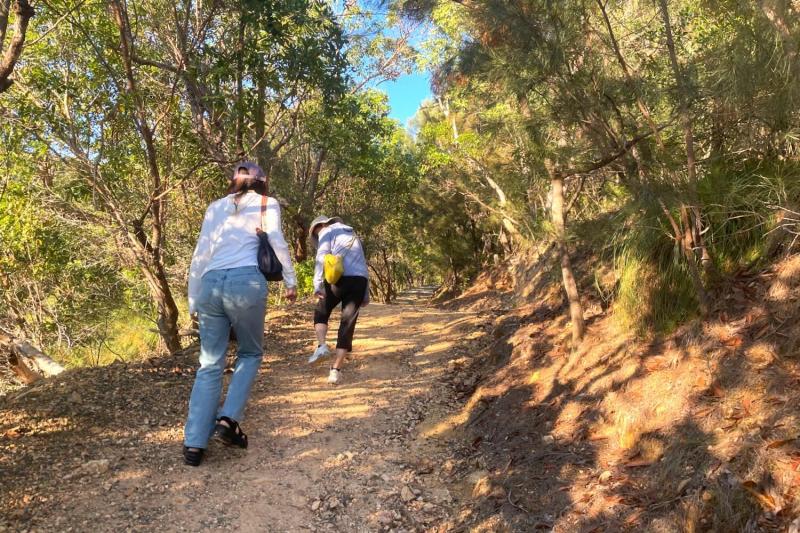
(241, 185)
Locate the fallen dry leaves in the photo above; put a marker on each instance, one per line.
(781, 442)
(767, 501)
(733, 342)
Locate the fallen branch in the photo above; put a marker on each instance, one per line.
(28, 362)
(516, 505)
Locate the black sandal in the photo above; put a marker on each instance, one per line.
(232, 434)
(193, 456)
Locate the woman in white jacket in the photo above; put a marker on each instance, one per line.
(227, 290)
(331, 236)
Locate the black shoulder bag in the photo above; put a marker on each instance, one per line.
(268, 262)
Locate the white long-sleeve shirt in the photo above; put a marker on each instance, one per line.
(228, 239)
(340, 239)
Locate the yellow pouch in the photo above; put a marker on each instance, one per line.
(333, 268)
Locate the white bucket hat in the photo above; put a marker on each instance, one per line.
(322, 219)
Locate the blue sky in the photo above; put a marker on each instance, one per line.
(406, 94)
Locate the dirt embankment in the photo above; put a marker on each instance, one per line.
(695, 431)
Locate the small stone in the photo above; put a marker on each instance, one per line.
(429, 508)
(440, 495)
(385, 517)
(707, 496)
(333, 503)
(548, 439)
(315, 505)
(425, 466)
(94, 467)
(605, 477)
(406, 494)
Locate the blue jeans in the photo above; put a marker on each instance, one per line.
(234, 297)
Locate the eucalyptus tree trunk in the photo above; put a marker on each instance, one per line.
(567, 274)
(303, 219)
(263, 154)
(148, 248)
(300, 238)
(239, 89)
(695, 221)
(684, 239)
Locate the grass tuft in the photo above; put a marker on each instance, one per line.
(654, 289)
(127, 336)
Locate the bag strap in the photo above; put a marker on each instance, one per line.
(347, 247)
(263, 212)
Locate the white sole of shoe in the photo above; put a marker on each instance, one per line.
(319, 358)
(318, 361)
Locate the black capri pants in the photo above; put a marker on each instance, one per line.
(350, 291)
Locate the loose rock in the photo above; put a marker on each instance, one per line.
(385, 517)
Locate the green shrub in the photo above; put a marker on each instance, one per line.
(305, 277)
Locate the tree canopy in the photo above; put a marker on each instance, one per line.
(659, 138)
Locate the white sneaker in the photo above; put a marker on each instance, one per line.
(333, 377)
(319, 354)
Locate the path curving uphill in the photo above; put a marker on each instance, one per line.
(99, 449)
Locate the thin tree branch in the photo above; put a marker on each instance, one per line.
(610, 158)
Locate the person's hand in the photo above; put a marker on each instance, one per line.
(291, 294)
(259, 231)
(319, 295)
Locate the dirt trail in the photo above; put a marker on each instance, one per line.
(322, 458)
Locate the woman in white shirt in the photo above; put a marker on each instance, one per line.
(227, 290)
